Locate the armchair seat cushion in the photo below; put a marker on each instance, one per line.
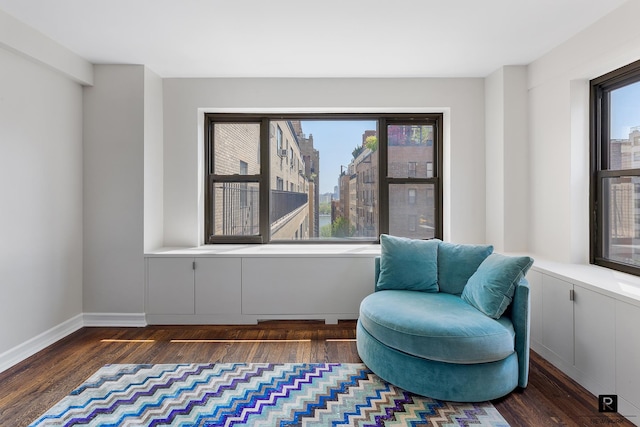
(436, 326)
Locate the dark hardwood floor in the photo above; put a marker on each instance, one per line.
(30, 388)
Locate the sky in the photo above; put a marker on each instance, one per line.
(625, 110)
(335, 140)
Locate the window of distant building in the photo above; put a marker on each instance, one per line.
(615, 169)
(388, 168)
(279, 141)
(412, 196)
(412, 166)
(413, 223)
(244, 169)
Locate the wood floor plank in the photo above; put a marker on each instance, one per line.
(31, 387)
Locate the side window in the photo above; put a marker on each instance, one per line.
(615, 164)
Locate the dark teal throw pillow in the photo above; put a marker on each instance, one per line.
(408, 264)
(490, 289)
(457, 263)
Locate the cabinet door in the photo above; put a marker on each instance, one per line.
(594, 316)
(218, 285)
(170, 286)
(305, 286)
(628, 353)
(557, 315)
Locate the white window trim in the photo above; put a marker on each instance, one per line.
(446, 147)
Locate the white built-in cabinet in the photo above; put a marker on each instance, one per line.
(218, 286)
(244, 289)
(557, 336)
(628, 359)
(595, 338)
(328, 287)
(184, 286)
(170, 286)
(589, 334)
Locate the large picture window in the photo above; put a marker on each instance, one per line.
(322, 178)
(615, 163)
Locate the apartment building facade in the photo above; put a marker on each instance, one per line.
(623, 220)
(292, 194)
(411, 205)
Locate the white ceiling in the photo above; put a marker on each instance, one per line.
(298, 38)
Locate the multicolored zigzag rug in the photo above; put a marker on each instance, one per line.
(254, 394)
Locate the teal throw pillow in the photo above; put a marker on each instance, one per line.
(490, 289)
(456, 264)
(408, 264)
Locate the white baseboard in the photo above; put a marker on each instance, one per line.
(116, 320)
(28, 348)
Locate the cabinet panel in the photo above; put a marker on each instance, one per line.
(170, 286)
(594, 324)
(218, 285)
(628, 352)
(557, 313)
(535, 285)
(305, 285)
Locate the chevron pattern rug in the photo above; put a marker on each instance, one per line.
(254, 394)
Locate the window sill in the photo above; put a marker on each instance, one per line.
(273, 250)
(621, 286)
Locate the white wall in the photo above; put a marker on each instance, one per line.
(15, 36)
(507, 182)
(153, 162)
(462, 99)
(558, 131)
(494, 155)
(516, 165)
(123, 188)
(114, 125)
(40, 200)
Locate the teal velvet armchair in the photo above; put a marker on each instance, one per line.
(456, 328)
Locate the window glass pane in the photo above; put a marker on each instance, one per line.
(624, 125)
(323, 179)
(236, 148)
(622, 220)
(412, 210)
(236, 209)
(410, 151)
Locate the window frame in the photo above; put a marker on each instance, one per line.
(263, 179)
(211, 178)
(600, 89)
(437, 167)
